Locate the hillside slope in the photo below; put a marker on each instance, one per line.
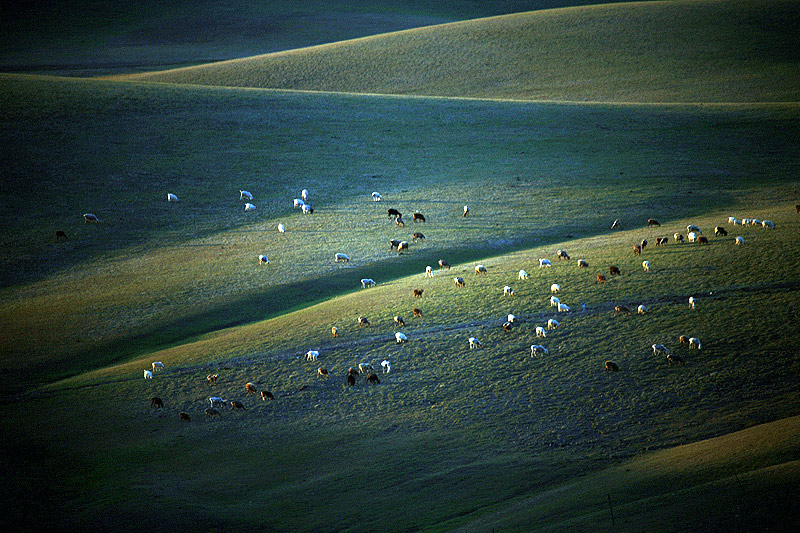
(638, 52)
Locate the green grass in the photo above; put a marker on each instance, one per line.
(635, 52)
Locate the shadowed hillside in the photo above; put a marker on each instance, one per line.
(641, 52)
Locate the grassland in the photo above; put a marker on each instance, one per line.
(452, 438)
(645, 52)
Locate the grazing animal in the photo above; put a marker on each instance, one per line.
(402, 246)
(444, 264)
(643, 244)
(601, 278)
(459, 282)
(386, 365)
(702, 239)
(399, 222)
(249, 207)
(582, 263)
(652, 222)
(352, 371)
(399, 322)
(245, 195)
(90, 217)
(367, 282)
(61, 235)
(157, 402)
(540, 333)
(508, 291)
(365, 367)
(148, 374)
(211, 412)
(739, 241)
(797, 208)
(552, 323)
(171, 197)
(235, 404)
(678, 237)
(683, 339)
(417, 311)
(507, 326)
(304, 194)
(362, 321)
(692, 302)
(545, 263)
(480, 269)
(376, 197)
(419, 217)
(646, 266)
(538, 349)
(555, 288)
(637, 250)
(466, 211)
(312, 355)
(428, 271)
(216, 401)
(394, 243)
(554, 301)
(561, 254)
(692, 237)
(660, 349)
(611, 366)
(642, 310)
(661, 241)
(158, 365)
(675, 360)
(263, 260)
(351, 380)
(418, 293)
(184, 416)
(693, 228)
(334, 332)
(719, 231)
(307, 209)
(417, 236)
(616, 224)
(266, 395)
(250, 388)
(511, 318)
(340, 258)
(394, 213)
(323, 372)
(614, 271)
(694, 343)
(562, 308)
(373, 379)
(522, 275)
(298, 202)
(474, 343)
(620, 309)
(767, 224)
(281, 228)
(212, 379)
(400, 337)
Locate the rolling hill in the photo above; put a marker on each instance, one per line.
(638, 52)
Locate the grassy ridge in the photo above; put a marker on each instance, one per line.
(637, 52)
(516, 427)
(154, 273)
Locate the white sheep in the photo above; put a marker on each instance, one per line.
(312, 355)
(340, 258)
(692, 236)
(400, 337)
(511, 318)
(171, 197)
(660, 349)
(641, 310)
(538, 349)
(555, 288)
(552, 323)
(429, 271)
(694, 343)
(365, 367)
(474, 343)
(387, 366)
(735, 222)
(540, 333)
(367, 282)
(466, 211)
(216, 401)
(646, 266)
(245, 195)
(148, 374)
(554, 301)
(262, 260)
(307, 209)
(90, 217)
(158, 365)
(522, 275)
(249, 207)
(731, 220)
(755, 222)
(739, 241)
(304, 195)
(298, 202)
(281, 228)
(692, 302)
(691, 228)
(376, 197)
(480, 269)
(508, 291)
(545, 263)
(563, 308)
(768, 224)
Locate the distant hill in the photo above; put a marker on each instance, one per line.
(683, 51)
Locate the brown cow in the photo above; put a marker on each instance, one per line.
(417, 311)
(702, 240)
(250, 388)
(621, 309)
(351, 380)
(675, 360)
(323, 372)
(418, 293)
(652, 222)
(637, 250)
(444, 264)
(237, 405)
(419, 217)
(185, 416)
(155, 401)
(601, 278)
(614, 271)
(373, 379)
(61, 235)
(611, 366)
(683, 339)
(335, 331)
